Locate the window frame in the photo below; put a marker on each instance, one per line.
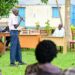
(53, 16)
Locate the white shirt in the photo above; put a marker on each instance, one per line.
(12, 21)
(59, 33)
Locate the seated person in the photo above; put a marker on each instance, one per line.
(59, 32)
(45, 52)
(8, 37)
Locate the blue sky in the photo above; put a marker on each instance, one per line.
(39, 1)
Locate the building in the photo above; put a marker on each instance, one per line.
(34, 11)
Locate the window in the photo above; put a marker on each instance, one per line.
(55, 12)
(73, 15)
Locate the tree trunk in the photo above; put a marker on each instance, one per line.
(59, 12)
(67, 20)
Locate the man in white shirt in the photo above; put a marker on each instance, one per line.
(15, 50)
(59, 32)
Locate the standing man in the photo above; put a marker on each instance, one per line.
(15, 50)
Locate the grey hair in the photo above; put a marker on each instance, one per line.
(14, 9)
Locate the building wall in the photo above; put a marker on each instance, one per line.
(42, 13)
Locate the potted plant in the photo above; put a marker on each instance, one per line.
(48, 27)
(37, 25)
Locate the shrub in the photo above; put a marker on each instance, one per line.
(72, 27)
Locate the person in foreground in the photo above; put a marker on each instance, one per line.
(15, 50)
(45, 52)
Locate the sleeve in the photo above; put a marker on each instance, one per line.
(28, 70)
(31, 70)
(54, 33)
(63, 33)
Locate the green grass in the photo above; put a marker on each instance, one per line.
(62, 61)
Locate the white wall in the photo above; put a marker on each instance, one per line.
(42, 13)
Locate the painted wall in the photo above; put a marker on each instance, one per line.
(42, 13)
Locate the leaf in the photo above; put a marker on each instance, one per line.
(44, 1)
(6, 6)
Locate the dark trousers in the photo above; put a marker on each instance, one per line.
(7, 40)
(15, 50)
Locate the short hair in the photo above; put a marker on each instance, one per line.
(45, 51)
(14, 9)
(60, 25)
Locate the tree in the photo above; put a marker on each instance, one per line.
(5, 6)
(67, 20)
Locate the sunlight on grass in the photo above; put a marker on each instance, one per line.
(62, 61)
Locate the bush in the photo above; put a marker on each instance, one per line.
(48, 27)
(72, 27)
(37, 25)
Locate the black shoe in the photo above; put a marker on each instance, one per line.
(12, 64)
(21, 63)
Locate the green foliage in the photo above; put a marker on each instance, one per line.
(47, 26)
(5, 6)
(72, 27)
(28, 56)
(44, 1)
(37, 25)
